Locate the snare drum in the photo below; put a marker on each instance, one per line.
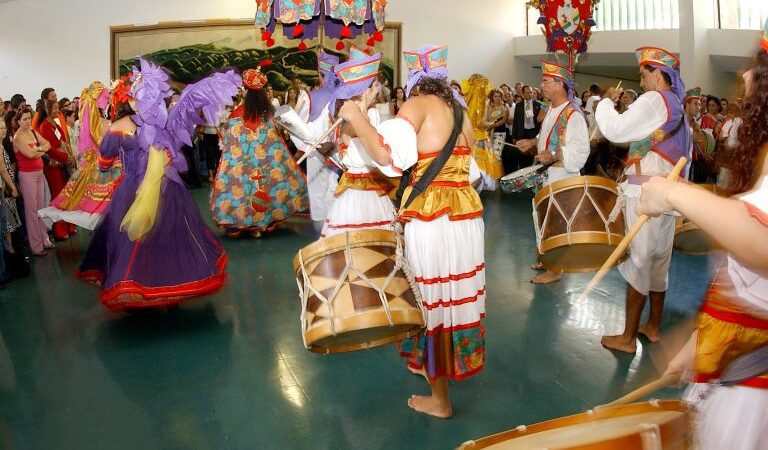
(354, 292)
(574, 232)
(639, 426)
(689, 238)
(525, 178)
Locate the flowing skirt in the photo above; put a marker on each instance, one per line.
(178, 259)
(447, 258)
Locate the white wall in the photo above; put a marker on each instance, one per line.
(70, 45)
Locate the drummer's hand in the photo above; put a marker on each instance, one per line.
(614, 94)
(526, 144)
(349, 110)
(545, 157)
(683, 362)
(655, 196)
(326, 148)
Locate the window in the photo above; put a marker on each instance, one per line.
(614, 15)
(743, 14)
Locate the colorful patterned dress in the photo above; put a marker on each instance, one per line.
(258, 184)
(177, 259)
(444, 245)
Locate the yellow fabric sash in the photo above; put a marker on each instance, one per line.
(140, 218)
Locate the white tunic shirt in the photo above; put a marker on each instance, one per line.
(646, 115)
(575, 149)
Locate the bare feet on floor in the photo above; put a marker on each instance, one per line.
(547, 277)
(652, 334)
(430, 406)
(619, 343)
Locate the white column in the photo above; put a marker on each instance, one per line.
(697, 17)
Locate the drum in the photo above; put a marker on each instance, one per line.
(688, 236)
(639, 426)
(354, 292)
(574, 232)
(525, 178)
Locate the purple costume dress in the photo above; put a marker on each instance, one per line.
(178, 259)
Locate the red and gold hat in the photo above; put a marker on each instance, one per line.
(657, 57)
(552, 70)
(254, 79)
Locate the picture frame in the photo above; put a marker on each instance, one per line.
(191, 50)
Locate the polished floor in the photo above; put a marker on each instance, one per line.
(230, 371)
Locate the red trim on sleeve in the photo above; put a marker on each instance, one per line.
(757, 213)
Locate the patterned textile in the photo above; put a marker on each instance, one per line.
(8, 204)
(258, 184)
(89, 190)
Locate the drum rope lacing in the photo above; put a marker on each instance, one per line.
(401, 263)
(552, 200)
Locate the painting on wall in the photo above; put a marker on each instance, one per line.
(190, 51)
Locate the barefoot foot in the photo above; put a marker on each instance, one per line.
(619, 343)
(547, 277)
(430, 406)
(651, 333)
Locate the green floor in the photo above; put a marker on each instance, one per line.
(230, 371)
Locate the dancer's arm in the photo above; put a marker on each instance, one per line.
(646, 115)
(739, 226)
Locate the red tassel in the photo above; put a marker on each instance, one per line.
(346, 32)
(370, 42)
(270, 42)
(266, 35)
(302, 46)
(340, 46)
(298, 31)
(378, 36)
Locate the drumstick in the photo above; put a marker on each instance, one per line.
(320, 141)
(648, 389)
(594, 133)
(622, 247)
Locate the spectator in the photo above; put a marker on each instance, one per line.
(30, 147)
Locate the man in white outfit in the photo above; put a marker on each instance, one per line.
(563, 139)
(655, 125)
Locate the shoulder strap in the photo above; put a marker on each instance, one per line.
(439, 162)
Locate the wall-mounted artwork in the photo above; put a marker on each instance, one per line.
(190, 51)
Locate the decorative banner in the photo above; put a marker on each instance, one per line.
(567, 25)
(339, 19)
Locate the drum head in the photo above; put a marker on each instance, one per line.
(627, 427)
(525, 171)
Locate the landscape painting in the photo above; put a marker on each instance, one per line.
(190, 51)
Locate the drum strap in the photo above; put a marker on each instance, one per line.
(437, 164)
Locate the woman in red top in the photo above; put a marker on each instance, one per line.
(30, 147)
(58, 156)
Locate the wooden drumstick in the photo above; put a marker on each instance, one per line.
(622, 247)
(320, 141)
(648, 389)
(594, 132)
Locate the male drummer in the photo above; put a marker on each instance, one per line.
(655, 126)
(563, 140)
